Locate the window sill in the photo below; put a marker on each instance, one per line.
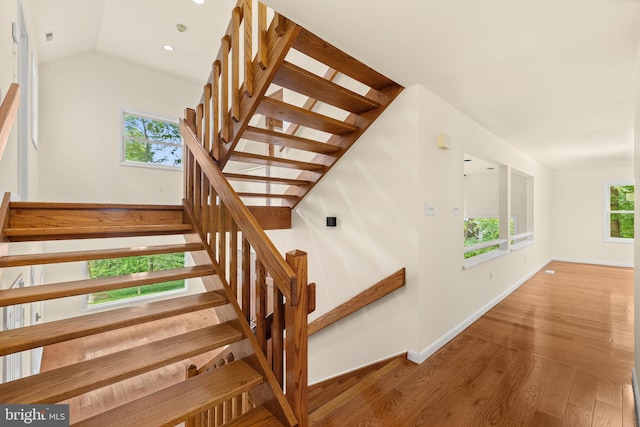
(151, 166)
(618, 240)
(479, 259)
(520, 245)
(136, 300)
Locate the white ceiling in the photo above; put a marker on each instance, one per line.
(554, 78)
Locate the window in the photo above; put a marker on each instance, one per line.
(521, 233)
(149, 141)
(121, 266)
(481, 230)
(482, 211)
(619, 217)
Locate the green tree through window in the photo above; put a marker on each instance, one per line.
(620, 211)
(151, 141)
(121, 266)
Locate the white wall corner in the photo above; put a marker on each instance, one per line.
(419, 357)
(636, 392)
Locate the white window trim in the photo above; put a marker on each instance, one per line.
(607, 212)
(124, 161)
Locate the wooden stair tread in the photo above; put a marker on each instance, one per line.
(79, 378)
(269, 195)
(88, 286)
(302, 81)
(59, 233)
(260, 159)
(52, 258)
(43, 334)
(345, 397)
(290, 141)
(92, 206)
(255, 178)
(313, 46)
(257, 417)
(177, 403)
(275, 109)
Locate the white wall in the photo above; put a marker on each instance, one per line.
(451, 297)
(377, 191)
(82, 98)
(373, 191)
(578, 217)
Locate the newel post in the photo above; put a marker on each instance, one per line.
(297, 340)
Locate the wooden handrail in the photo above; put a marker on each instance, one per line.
(374, 293)
(264, 248)
(210, 201)
(8, 112)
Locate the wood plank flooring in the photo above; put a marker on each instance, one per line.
(105, 398)
(557, 352)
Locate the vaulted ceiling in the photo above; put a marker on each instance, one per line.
(554, 78)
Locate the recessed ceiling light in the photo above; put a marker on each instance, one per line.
(168, 48)
(198, 1)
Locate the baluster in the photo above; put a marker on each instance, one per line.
(199, 114)
(207, 117)
(235, 63)
(248, 47)
(260, 302)
(262, 36)
(197, 192)
(281, 24)
(277, 331)
(213, 218)
(246, 279)
(204, 204)
(222, 239)
(216, 110)
(190, 121)
(225, 89)
(233, 260)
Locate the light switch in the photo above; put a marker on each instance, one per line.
(456, 208)
(429, 210)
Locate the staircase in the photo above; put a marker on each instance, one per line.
(39, 222)
(277, 118)
(274, 118)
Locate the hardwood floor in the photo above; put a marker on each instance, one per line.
(557, 352)
(97, 401)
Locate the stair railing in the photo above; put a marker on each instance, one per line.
(240, 76)
(8, 112)
(228, 227)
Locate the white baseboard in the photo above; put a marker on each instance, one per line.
(636, 392)
(587, 261)
(419, 357)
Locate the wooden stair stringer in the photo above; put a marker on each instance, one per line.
(384, 97)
